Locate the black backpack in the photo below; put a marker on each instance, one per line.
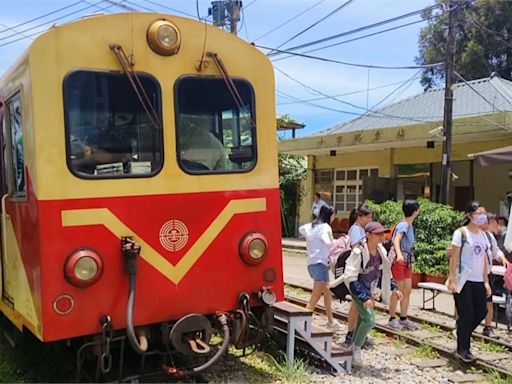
(341, 291)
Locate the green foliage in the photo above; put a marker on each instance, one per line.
(482, 31)
(433, 230)
(292, 171)
(426, 352)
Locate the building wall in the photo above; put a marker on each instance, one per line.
(491, 183)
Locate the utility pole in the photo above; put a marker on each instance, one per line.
(448, 106)
(226, 12)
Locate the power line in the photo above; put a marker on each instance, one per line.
(251, 3)
(478, 24)
(354, 92)
(347, 103)
(51, 21)
(408, 81)
(289, 20)
(354, 39)
(290, 97)
(352, 64)
(360, 29)
(315, 23)
(169, 8)
(42, 16)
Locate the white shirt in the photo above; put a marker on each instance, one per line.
(318, 242)
(474, 253)
(316, 207)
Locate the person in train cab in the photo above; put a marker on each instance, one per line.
(85, 158)
(368, 277)
(319, 238)
(468, 277)
(199, 148)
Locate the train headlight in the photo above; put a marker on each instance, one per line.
(253, 248)
(83, 268)
(163, 37)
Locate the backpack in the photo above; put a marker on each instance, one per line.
(338, 247)
(341, 290)
(388, 243)
(507, 278)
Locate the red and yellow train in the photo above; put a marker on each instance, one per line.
(139, 186)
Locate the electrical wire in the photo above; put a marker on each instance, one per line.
(354, 39)
(480, 25)
(314, 24)
(360, 29)
(352, 64)
(290, 97)
(42, 16)
(307, 87)
(251, 3)
(354, 92)
(169, 8)
(289, 20)
(52, 21)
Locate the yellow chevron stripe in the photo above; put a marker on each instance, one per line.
(103, 216)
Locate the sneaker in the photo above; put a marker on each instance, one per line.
(487, 331)
(408, 324)
(356, 356)
(466, 356)
(395, 324)
(368, 343)
(334, 326)
(348, 338)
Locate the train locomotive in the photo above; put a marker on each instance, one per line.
(140, 196)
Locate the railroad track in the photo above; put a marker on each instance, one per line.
(410, 338)
(420, 320)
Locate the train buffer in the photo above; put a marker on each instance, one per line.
(298, 323)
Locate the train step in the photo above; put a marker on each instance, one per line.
(298, 323)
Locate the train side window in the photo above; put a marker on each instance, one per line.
(215, 132)
(14, 153)
(109, 133)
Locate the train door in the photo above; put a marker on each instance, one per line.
(13, 190)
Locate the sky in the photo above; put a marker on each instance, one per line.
(298, 79)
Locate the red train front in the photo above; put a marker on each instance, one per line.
(140, 191)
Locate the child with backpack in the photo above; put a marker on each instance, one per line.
(319, 238)
(468, 277)
(367, 277)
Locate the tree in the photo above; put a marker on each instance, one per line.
(292, 171)
(483, 31)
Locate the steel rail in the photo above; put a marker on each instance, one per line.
(409, 338)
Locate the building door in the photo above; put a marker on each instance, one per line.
(462, 197)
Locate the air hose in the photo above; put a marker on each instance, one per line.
(130, 252)
(179, 373)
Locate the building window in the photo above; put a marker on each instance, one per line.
(324, 183)
(16, 159)
(348, 184)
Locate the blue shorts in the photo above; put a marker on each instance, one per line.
(319, 272)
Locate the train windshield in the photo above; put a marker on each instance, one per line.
(215, 130)
(109, 133)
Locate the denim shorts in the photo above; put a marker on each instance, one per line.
(319, 272)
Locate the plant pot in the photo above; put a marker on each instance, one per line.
(416, 278)
(435, 279)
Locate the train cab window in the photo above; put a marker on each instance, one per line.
(14, 155)
(110, 132)
(215, 132)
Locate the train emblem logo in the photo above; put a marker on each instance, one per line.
(173, 235)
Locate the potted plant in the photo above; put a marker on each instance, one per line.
(417, 274)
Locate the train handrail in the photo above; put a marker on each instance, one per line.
(4, 242)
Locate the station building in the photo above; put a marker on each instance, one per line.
(395, 152)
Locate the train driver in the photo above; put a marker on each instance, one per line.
(199, 148)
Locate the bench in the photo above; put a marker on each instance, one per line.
(436, 289)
